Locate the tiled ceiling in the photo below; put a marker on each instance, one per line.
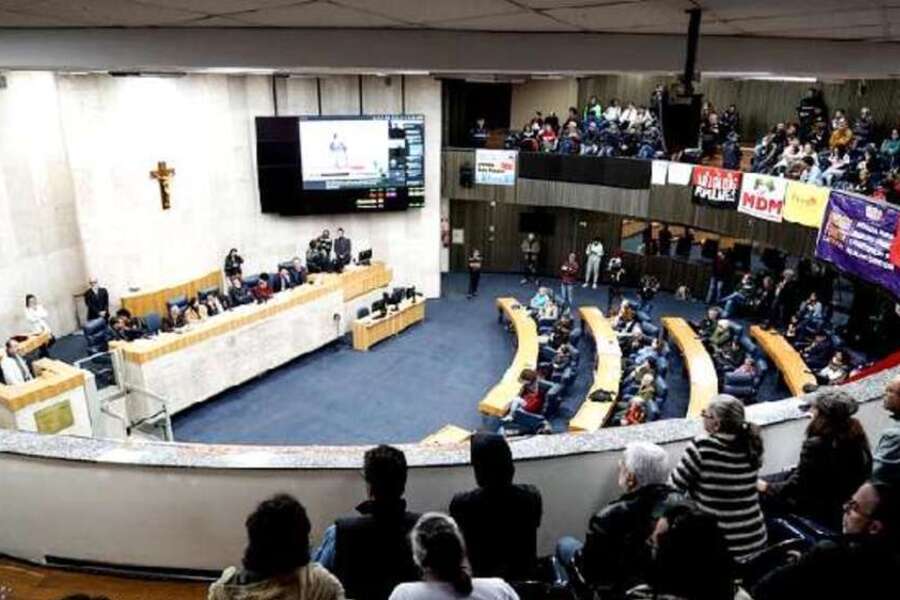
(870, 20)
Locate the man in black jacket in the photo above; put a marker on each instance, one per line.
(615, 555)
(371, 553)
(499, 520)
(97, 301)
(343, 252)
(863, 563)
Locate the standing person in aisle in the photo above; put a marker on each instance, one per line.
(531, 248)
(594, 254)
(616, 278)
(474, 273)
(568, 273)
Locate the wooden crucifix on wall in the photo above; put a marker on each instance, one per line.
(163, 175)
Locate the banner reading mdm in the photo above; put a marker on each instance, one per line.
(495, 167)
(857, 235)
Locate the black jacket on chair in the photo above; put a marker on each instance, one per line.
(96, 303)
(373, 552)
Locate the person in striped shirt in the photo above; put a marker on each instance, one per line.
(719, 472)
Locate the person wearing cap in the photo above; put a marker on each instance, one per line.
(499, 519)
(886, 463)
(835, 460)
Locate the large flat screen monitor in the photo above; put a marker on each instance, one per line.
(335, 164)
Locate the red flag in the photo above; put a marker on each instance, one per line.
(895, 247)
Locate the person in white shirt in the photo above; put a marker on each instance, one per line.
(613, 111)
(36, 315)
(14, 368)
(440, 553)
(629, 115)
(594, 258)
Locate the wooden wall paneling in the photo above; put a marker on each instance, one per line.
(451, 161)
(536, 192)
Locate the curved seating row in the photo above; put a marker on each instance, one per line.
(700, 366)
(796, 374)
(496, 402)
(592, 415)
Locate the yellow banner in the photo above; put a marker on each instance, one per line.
(805, 203)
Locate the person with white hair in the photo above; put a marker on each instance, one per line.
(440, 553)
(615, 555)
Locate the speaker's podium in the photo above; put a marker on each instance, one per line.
(55, 401)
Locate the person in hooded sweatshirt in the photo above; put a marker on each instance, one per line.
(499, 519)
(276, 563)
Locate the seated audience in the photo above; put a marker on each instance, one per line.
(297, 271)
(615, 556)
(834, 461)
(499, 519)
(706, 327)
(315, 261)
(719, 472)
(636, 413)
(862, 563)
(440, 555)
(729, 357)
(530, 398)
(122, 329)
(818, 353)
(742, 296)
(233, 262)
(748, 368)
(370, 554)
(276, 562)
(720, 336)
(13, 367)
(195, 311)
(835, 372)
(539, 300)
(283, 281)
(174, 320)
(238, 294)
(886, 457)
(549, 311)
(682, 538)
(262, 292)
(216, 304)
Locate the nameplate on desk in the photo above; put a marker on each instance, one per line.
(54, 418)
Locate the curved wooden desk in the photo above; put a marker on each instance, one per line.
(702, 371)
(142, 303)
(794, 370)
(496, 402)
(591, 416)
(33, 342)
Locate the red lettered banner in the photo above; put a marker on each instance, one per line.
(762, 196)
(715, 187)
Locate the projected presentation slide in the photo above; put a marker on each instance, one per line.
(345, 154)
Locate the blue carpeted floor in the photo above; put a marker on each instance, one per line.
(404, 388)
